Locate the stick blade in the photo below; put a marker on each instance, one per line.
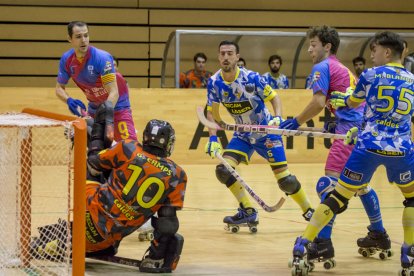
(202, 118)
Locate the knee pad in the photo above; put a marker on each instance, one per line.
(325, 185)
(289, 184)
(165, 225)
(364, 191)
(409, 202)
(333, 201)
(224, 176)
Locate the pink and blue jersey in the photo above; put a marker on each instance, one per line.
(90, 74)
(331, 75)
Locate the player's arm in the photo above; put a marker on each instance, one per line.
(61, 93)
(101, 138)
(112, 88)
(165, 250)
(276, 105)
(314, 107)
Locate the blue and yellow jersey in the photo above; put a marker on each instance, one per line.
(90, 74)
(244, 98)
(331, 75)
(389, 94)
(281, 82)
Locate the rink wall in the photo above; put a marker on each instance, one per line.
(178, 107)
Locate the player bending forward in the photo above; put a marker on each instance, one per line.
(141, 182)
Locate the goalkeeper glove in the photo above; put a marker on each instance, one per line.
(276, 121)
(338, 99)
(212, 146)
(351, 136)
(75, 106)
(290, 124)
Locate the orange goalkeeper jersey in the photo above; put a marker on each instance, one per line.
(139, 184)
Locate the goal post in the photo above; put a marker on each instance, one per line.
(42, 182)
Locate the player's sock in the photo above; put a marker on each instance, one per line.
(300, 196)
(372, 208)
(326, 232)
(322, 215)
(408, 225)
(301, 199)
(240, 194)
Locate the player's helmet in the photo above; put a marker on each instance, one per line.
(159, 134)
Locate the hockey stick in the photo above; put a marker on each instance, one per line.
(259, 201)
(117, 260)
(221, 125)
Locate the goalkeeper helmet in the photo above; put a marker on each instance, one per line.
(161, 135)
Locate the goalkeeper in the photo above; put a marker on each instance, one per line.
(139, 182)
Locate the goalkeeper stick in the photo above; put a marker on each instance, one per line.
(259, 201)
(221, 125)
(117, 260)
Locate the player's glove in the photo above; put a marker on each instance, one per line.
(338, 99)
(75, 106)
(212, 146)
(351, 136)
(276, 121)
(290, 124)
(329, 126)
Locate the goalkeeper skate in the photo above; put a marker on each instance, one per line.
(300, 265)
(407, 260)
(146, 232)
(373, 242)
(245, 217)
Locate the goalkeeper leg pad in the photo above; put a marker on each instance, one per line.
(170, 260)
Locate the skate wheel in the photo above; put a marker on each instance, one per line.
(371, 251)
(150, 236)
(234, 229)
(290, 263)
(253, 229)
(383, 256)
(311, 266)
(141, 237)
(364, 252)
(390, 253)
(329, 264)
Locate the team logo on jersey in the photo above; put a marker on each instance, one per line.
(352, 175)
(405, 176)
(238, 93)
(250, 88)
(90, 69)
(108, 67)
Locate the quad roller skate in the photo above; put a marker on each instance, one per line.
(321, 251)
(299, 264)
(407, 260)
(146, 235)
(245, 217)
(375, 242)
(146, 232)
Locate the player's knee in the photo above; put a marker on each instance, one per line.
(224, 175)
(289, 184)
(325, 185)
(409, 202)
(364, 191)
(336, 202)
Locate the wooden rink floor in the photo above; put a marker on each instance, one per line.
(210, 250)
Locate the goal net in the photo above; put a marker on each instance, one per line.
(37, 174)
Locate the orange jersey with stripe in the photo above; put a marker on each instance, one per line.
(139, 184)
